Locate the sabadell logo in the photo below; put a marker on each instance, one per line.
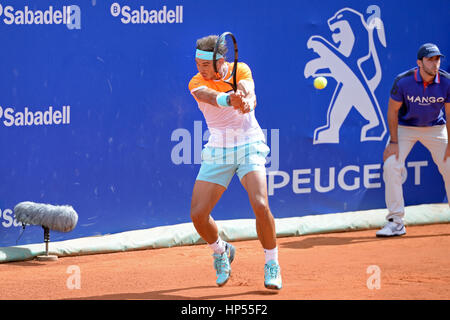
(143, 16)
(69, 15)
(51, 116)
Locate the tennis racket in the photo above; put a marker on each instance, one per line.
(226, 46)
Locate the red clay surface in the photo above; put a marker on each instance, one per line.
(322, 266)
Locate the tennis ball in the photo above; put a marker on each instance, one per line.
(320, 82)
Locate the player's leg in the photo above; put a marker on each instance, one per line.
(212, 180)
(252, 173)
(204, 198)
(256, 186)
(435, 140)
(394, 173)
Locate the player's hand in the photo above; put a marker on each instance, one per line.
(247, 107)
(447, 152)
(390, 150)
(244, 104)
(238, 101)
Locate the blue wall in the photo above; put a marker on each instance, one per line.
(128, 155)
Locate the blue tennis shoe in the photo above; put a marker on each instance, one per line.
(222, 264)
(272, 275)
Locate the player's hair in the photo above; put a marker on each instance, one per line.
(208, 43)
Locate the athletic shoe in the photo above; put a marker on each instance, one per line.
(272, 275)
(392, 229)
(222, 264)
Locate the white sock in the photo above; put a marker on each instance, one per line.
(271, 254)
(218, 246)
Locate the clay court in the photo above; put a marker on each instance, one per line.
(319, 266)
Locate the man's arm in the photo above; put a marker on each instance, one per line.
(392, 117)
(210, 96)
(243, 100)
(207, 95)
(447, 116)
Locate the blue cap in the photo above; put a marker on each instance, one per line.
(428, 50)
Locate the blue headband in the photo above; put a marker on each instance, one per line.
(206, 55)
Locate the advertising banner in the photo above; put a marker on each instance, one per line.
(95, 110)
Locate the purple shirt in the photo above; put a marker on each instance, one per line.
(423, 104)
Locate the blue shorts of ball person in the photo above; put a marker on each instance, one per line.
(220, 164)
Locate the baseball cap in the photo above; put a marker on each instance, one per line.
(428, 50)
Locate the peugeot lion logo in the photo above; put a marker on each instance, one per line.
(343, 61)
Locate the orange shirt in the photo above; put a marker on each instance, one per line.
(243, 72)
(227, 126)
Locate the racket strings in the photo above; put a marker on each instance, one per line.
(227, 47)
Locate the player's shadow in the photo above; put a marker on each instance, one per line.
(311, 242)
(171, 294)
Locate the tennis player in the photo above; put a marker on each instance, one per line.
(236, 145)
(419, 101)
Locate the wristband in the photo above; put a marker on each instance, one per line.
(222, 100)
(393, 142)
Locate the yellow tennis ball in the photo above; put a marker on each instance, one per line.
(320, 82)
